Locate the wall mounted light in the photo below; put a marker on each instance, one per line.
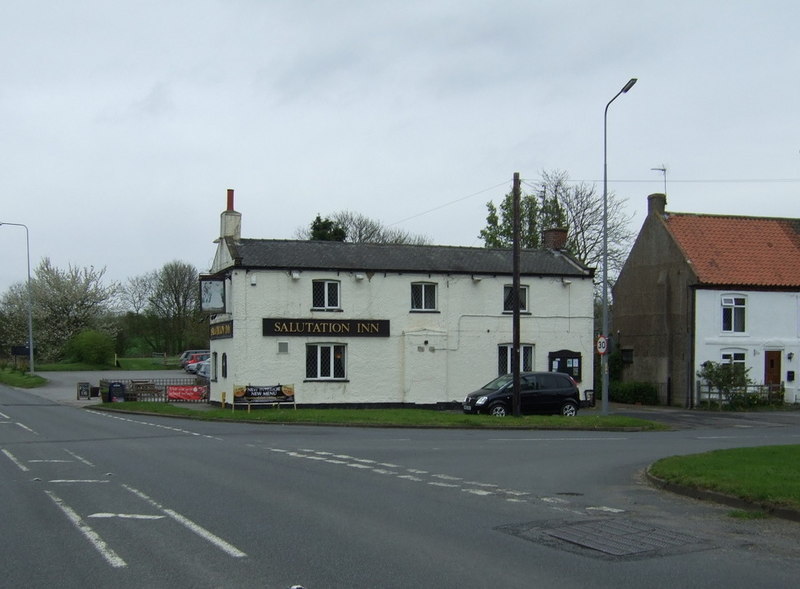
(566, 282)
(790, 355)
(360, 276)
(476, 278)
(253, 280)
(295, 274)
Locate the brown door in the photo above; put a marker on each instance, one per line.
(772, 367)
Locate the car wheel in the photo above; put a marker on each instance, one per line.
(498, 410)
(569, 409)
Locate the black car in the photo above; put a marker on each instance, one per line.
(540, 392)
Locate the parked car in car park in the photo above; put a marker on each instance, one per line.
(194, 361)
(540, 392)
(185, 355)
(203, 372)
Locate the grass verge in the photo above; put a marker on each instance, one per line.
(769, 474)
(16, 378)
(394, 418)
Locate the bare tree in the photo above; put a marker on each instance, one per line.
(174, 302)
(361, 229)
(555, 201)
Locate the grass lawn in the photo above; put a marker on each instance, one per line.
(394, 418)
(170, 363)
(769, 474)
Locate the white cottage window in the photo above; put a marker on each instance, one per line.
(325, 361)
(733, 314)
(423, 296)
(325, 294)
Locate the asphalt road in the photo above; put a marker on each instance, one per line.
(109, 500)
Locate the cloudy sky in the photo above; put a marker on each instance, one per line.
(123, 123)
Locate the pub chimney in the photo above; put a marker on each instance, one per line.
(230, 220)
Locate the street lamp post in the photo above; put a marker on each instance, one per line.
(30, 296)
(604, 357)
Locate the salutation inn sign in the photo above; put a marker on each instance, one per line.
(315, 327)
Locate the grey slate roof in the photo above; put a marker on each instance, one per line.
(333, 255)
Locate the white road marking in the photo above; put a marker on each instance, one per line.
(476, 488)
(126, 516)
(605, 509)
(50, 460)
(226, 547)
(555, 439)
(13, 459)
(78, 481)
(4, 416)
(25, 427)
(79, 458)
(99, 544)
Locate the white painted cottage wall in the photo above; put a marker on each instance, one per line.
(772, 322)
(462, 337)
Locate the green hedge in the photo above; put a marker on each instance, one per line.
(644, 393)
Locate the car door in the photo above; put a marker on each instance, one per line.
(548, 392)
(528, 394)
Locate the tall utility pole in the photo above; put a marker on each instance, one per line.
(515, 296)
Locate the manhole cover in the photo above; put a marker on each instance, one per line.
(620, 537)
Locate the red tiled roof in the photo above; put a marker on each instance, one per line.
(747, 251)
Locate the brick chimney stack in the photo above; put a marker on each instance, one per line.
(555, 238)
(230, 221)
(656, 204)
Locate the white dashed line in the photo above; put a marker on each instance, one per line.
(13, 459)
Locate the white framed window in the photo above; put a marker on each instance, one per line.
(735, 358)
(508, 298)
(326, 362)
(733, 314)
(325, 294)
(423, 296)
(504, 354)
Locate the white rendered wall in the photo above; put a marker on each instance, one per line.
(772, 322)
(428, 358)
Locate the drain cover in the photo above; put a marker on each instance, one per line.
(620, 537)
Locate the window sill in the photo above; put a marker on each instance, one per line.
(323, 310)
(424, 311)
(326, 380)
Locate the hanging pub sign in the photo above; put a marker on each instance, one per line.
(326, 327)
(212, 295)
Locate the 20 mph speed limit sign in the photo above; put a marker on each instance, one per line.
(602, 345)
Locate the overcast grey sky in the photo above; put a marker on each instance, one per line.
(124, 122)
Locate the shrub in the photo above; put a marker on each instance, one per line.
(644, 393)
(91, 347)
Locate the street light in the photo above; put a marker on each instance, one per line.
(30, 296)
(604, 357)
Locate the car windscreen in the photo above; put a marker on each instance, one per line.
(498, 383)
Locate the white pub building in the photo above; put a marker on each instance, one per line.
(357, 324)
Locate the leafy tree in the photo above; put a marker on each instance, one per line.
(327, 230)
(555, 202)
(359, 228)
(91, 347)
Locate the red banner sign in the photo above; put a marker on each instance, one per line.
(186, 392)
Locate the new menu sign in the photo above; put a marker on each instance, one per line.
(326, 327)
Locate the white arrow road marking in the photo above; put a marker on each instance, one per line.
(100, 545)
(13, 459)
(126, 516)
(226, 547)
